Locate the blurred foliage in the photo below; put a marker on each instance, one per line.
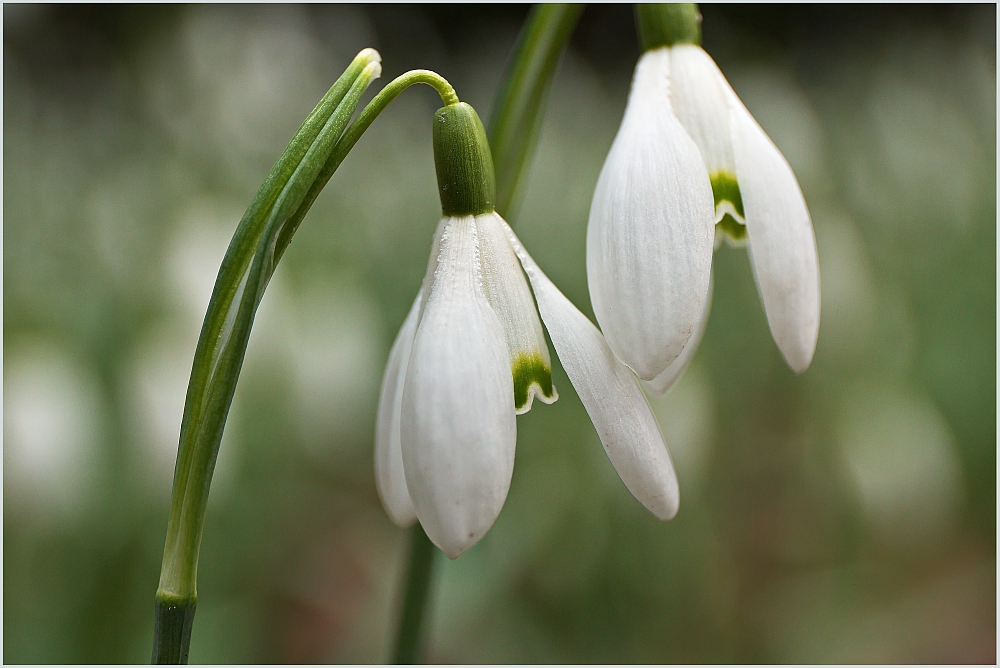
(845, 515)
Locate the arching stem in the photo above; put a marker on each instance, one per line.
(313, 155)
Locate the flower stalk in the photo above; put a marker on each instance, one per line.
(311, 158)
(409, 640)
(512, 136)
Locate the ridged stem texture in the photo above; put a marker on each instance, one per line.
(463, 162)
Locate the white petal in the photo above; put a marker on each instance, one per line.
(651, 229)
(782, 245)
(508, 293)
(673, 373)
(610, 393)
(458, 425)
(389, 478)
(432, 262)
(698, 95)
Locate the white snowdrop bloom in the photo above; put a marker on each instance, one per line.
(471, 355)
(688, 168)
(651, 229)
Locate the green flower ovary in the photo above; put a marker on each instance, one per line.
(530, 369)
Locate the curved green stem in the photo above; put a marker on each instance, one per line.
(318, 148)
(517, 110)
(353, 133)
(418, 580)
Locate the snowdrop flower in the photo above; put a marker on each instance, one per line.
(650, 234)
(471, 355)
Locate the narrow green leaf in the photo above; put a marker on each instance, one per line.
(517, 110)
(222, 344)
(318, 148)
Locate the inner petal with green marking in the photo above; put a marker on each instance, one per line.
(729, 216)
(506, 289)
(532, 377)
(726, 190)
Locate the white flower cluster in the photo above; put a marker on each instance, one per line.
(689, 164)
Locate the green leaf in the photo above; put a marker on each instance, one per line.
(517, 110)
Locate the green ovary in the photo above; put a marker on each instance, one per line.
(530, 369)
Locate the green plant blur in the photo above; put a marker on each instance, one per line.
(845, 515)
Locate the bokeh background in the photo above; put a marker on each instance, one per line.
(844, 515)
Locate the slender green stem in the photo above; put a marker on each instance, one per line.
(318, 148)
(517, 110)
(172, 630)
(409, 647)
(220, 351)
(353, 133)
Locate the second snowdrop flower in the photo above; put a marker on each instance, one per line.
(689, 165)
(650, 233)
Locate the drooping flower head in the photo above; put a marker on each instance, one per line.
(471, 355)
(653, 193)
(650, 233)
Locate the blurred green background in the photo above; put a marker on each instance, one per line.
(845, 515)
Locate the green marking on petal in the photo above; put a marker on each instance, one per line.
(734, 231)
(726, 189)
(530, 369)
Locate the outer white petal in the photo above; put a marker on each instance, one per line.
(673, 373)
(458, 425)
(389, 478)
(508, 293)
(698, 95)
(782, 244)
(610, 393)
(432, 261)
(650, 233)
